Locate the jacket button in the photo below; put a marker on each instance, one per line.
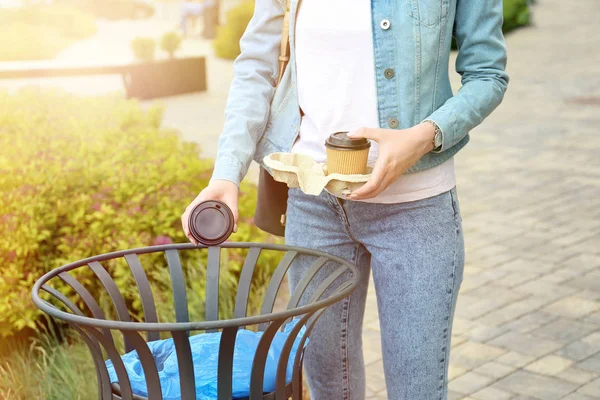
(385, 24)
(393, 123)
(388, 73)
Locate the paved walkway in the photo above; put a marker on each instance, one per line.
(527, 324)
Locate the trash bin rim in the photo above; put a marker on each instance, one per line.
(199, 325)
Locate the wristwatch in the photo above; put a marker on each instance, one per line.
(437, 138)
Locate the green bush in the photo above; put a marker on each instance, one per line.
(143, 48)
(34, 33)
(227, 42)
(516, 14)
(170, 42)
(81, 176)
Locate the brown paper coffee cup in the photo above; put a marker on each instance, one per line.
(347, 162)
(346, 155)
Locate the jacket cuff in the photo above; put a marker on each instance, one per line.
(228, 168)
(446, 121)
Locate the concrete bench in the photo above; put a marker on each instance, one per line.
(143, 80)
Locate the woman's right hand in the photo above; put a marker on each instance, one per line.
(222, 190)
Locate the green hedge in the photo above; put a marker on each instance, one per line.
(81, 176)
(227, 42)
(516, 14)
(41, 32)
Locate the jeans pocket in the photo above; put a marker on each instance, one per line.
(455, 205)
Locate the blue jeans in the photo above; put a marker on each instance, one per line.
(416, 251)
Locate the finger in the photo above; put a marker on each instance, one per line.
(232, 203)
(188, 234)
(367, 133)
(191, 238)
(372, 184)
(184, 224)
(378, 189)
(186, 228)
(385, 183)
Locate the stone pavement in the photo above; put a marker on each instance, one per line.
(527, 323)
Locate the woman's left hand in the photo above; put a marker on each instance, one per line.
(398, 151)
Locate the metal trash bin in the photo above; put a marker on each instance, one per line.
(341, 280)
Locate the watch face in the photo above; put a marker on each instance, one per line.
(438, 138)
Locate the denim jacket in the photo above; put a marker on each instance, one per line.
(410, 37)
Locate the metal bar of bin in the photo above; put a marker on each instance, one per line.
(260, 359)
(87, 298)
(306, 279)
(185, 365)
(98, 331)
(148, 365)
(213, 269)
(280, 381)
(115, 296)
(297, 380)
(67, 303)
(282, 365)
(243, 291)
(178, 286)
(225, 368)
(275, 284)
(104, 390)
(115, 358)
(189, 326)
(141, 280)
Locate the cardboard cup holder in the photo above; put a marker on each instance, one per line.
(301, 171)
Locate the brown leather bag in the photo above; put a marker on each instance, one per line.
(271, 205)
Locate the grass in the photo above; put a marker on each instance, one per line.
(48, 369)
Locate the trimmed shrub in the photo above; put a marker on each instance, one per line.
(516, 14)
(227, 42)
(143, 48)
(170, 42)
(33, 33)
(82, 176)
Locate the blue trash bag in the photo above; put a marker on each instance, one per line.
(205, 356)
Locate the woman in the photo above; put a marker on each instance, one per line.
(378, 69)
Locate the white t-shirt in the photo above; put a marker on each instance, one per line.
(337, 91)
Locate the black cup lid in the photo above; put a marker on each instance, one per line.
(211, 222)
(341, 141)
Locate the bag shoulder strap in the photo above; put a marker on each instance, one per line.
(284, 49)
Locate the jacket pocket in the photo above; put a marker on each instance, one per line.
(428, 12)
